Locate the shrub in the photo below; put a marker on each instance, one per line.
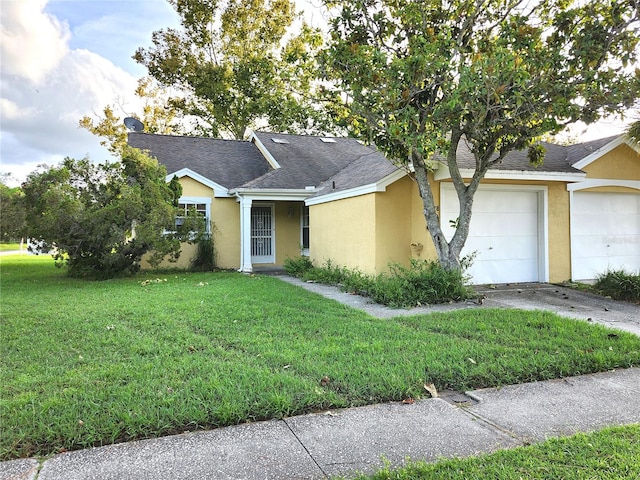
(423, 282)
(297, 266)
(205, 259)
(619, 285)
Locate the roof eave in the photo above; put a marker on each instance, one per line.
(492, 174)
(615, 143)
(379, 186)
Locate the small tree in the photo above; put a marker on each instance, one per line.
(421, 76)
(100, 219)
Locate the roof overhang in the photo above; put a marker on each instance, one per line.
(612, 145)
(218, 190)
(379, 186)
(292, 195)
(443, 173)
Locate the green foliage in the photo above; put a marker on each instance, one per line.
(156, 116)
(205, 259)
(297, 266)
(12, 211)
(619, 285)
(418, 77)
(100, 219)
(423, 282)
(148, 356)
(236, 66)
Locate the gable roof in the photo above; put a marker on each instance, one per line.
(309, 161)
(229, 163)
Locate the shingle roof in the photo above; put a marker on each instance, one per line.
(229, 163)
(310, 161)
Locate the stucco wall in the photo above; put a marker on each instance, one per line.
(622, 163)
(225, 215)
(393, 226)
(344, 232)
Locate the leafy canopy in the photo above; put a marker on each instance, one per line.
(100, 219)
(12, 210)
(236, 67)
(421, 76)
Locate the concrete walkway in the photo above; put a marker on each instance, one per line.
(344, 442)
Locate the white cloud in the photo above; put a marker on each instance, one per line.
(32, 42)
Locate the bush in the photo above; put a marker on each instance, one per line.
(297, 266)
(619, 285)
(423, 282)
(205, 258)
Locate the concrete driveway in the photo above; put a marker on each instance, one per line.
(527, 296)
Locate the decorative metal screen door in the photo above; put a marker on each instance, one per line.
(262, 241)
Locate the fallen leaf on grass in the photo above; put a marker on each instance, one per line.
(471, 360)
(325, 381)
(408, 401)
(431, 388)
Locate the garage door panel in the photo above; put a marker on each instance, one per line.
(503, 224)
(503, 234)
(505, 271)
(605, 233)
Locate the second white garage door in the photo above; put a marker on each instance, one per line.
(506, 233)
(605, 233)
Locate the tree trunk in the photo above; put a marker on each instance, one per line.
(448, 251)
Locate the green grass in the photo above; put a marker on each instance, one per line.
(7, 247)
(92, 363)
(612, 453)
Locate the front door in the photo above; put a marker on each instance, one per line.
(262, 238)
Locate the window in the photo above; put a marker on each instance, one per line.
(305, 230)
(201, 206)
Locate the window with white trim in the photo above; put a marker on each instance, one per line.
(200, 205)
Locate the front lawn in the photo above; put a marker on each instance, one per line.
(92, 363)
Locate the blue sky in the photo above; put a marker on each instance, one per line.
(63, 59)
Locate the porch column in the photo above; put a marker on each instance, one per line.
(245, 235)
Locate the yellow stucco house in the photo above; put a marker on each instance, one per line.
(275, 196)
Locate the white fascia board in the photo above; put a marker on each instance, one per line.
(603, 182)
(273, 194)
(444, 174)
(218, 190)
(379, 186)
(612, 145)
(263, 150)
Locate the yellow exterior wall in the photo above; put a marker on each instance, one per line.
(225, 215)
(354, 219)
(559, 234)
(621, 163)
(393, 228)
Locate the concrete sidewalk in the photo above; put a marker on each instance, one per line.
(344, 442)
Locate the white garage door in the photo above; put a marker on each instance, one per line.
(605, 233)
(505, 233)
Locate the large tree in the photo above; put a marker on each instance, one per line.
(155, 113)
(421, 76)
(100, 219)
(236, 66)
